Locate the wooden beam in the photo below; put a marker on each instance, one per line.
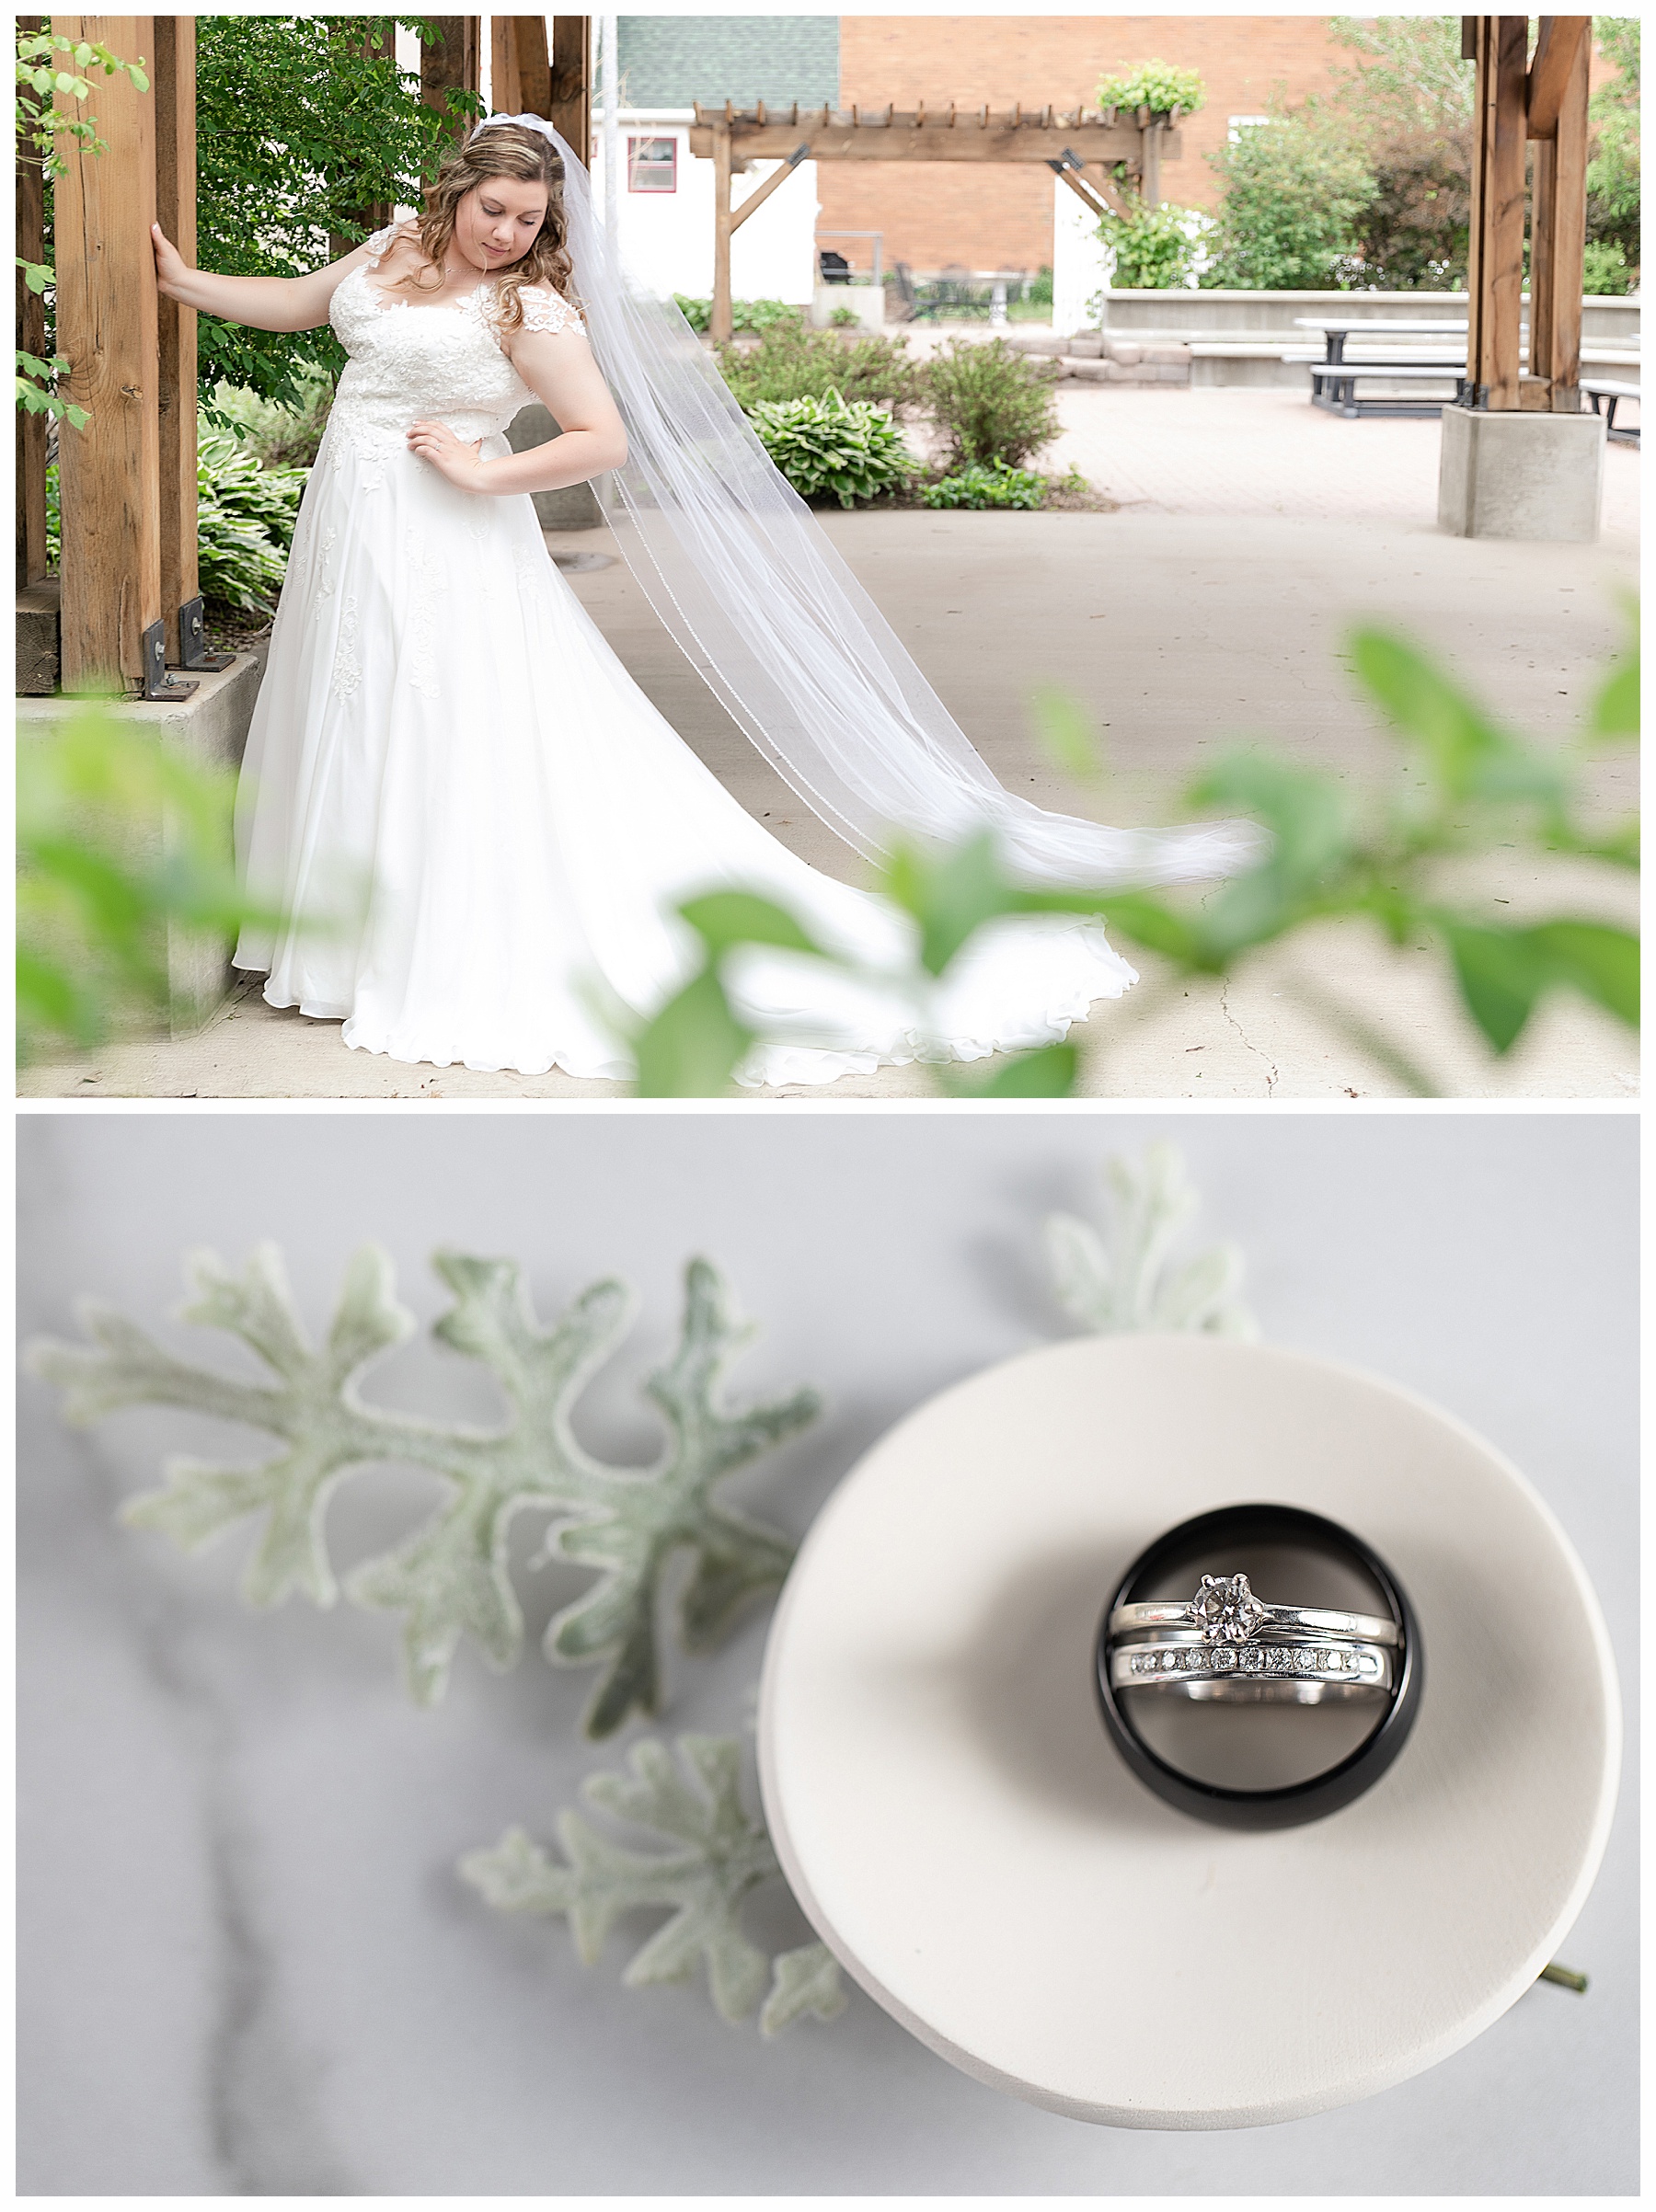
(1562, 40)
(31, 339)
(1150, 162)
(521, 73)
(1098, 194)
(990, 138)
(452, 63)
(570, 109)
(721, 318)
(173, 79)
(106, 325)
(1495, 277)
(757, 198)
(1557, 242)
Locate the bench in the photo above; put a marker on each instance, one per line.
(1334, 385)
(1607, 389)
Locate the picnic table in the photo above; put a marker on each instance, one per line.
(1334, 379)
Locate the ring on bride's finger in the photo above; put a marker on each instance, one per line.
(1225, 1611)
(1298, 1672)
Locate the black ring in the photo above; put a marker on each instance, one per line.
(1293, 1803)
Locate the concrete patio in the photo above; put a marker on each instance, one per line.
(1208, 609)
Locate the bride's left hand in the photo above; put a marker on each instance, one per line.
(461, 463)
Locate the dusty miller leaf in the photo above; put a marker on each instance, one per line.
(450, 1578)
(1127, 1281)
(720, 1855)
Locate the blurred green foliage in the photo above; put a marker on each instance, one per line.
(1156, 248)
(1464, 787)
(1157, 86)
(990, 484)
(758, 316)
(118, 840)
(791, 361)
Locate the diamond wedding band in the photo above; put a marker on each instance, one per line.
(1225, 1645)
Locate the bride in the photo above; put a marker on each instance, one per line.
(445, 748)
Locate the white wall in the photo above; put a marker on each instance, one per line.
(667, 237)
(1081, 262)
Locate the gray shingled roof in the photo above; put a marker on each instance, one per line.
(673, 61)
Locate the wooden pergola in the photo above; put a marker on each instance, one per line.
(131, 604)
(1082, 146)
(1531, 113)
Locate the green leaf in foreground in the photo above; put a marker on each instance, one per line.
(716, 1853)
(449, 1579)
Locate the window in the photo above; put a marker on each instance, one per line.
(652, 164)
(1238, 123)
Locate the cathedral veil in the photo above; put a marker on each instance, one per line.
(750, 586)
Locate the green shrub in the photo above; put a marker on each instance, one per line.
(990, 402)
(994, 484)
(1605, 268)
(1294, 194)
(1613, 180)
(846, 447)
(1155, 247)
(1153, 84)
(276, 436)
(1038, 290)
(745, 315)
(793, 363)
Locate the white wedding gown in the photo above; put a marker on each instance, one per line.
(446, 751)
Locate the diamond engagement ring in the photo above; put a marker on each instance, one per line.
(1226, 1610)
(1226, 1645)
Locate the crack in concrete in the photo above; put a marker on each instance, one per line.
(1258, 1052)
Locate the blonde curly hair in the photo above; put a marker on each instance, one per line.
(500, 150)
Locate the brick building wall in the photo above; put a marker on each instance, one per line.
(1000, 216)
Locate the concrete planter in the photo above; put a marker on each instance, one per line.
(1518, 475)
(209, 729)
(867, 301)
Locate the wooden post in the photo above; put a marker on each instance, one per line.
(521, 73)
(173, 79)
(720, 321)
(1495, 277)
(31, 339)
(107, 327)
(569, 110)
(1558, 114)
(1150, 173)
(451, 63)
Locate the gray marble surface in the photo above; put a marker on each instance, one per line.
(246, 1965)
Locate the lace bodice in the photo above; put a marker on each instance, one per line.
(411, 363)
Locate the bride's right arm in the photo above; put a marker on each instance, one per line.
(262, 303)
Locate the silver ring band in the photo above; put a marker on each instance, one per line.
(1298, 1673)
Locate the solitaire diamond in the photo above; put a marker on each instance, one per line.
(1226, 1610)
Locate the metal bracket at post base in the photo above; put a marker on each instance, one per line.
(155, 683)
(192, 639)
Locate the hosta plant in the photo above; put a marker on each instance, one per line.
(844, 448)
